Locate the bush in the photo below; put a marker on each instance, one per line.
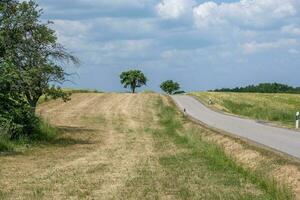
(16, 117)
(41, 132)
(5, 144)
(44, 132)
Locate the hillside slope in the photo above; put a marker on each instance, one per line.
(276, 108)
(125, 146)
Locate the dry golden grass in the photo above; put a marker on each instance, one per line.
(105, 147)
(114, 146)
(278, 167)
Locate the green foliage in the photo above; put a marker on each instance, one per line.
(170, 87)
(16, 117)
(134, 79)
(32, 49)
(30, 61)
(70, 90)
(6, 145)
(263, 88)
(42, 132)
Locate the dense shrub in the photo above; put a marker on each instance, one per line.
(16, 117)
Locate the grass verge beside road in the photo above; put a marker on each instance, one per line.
(276, 108)
(199, 158)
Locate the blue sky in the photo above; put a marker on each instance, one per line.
(201, 44)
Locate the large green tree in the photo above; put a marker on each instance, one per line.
(31, 47)
(170, 87)
(31, 65)
(133, 79)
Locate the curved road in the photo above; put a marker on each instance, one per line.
(283, 140)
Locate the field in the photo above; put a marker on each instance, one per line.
(276, 108)
(126, 146)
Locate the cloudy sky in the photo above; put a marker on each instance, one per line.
(201, 44)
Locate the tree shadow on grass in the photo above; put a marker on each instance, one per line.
(75, 129)
(64, 137)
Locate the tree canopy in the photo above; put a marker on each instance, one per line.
(32, 48)
(31, 64)
(133, 79)
(170, 87)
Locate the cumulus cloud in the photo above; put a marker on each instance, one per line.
(72, 27)
(172, 9)
(205, 41)
(115, 3)
(245, 13)
(255, 47)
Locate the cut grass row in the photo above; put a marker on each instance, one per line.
(198, 169)
(278, 108)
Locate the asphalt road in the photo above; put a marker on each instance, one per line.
(283, 140)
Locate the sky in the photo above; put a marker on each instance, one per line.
(200, 44)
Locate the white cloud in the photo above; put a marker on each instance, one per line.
(172, 9)
(206, 14)
(291, 29)
(117, 3)
(72, 27)
(135, 46)
(255, 47)
(245, 13)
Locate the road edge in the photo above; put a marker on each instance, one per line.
(252, 144)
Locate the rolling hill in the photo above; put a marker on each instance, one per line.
(139, 146)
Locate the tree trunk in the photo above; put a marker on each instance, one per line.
(32, 100)
(33, 104)
(33, 109)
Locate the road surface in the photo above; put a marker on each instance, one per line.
(283, 140)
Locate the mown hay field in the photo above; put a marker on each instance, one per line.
(139, 146)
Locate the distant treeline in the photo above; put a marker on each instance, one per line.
(264, 88)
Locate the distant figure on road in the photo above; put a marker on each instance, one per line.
(184, 112)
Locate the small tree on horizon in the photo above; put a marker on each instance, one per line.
(133, 79)
(170, 87)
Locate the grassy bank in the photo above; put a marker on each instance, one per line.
(200, 159)
(278, 108)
